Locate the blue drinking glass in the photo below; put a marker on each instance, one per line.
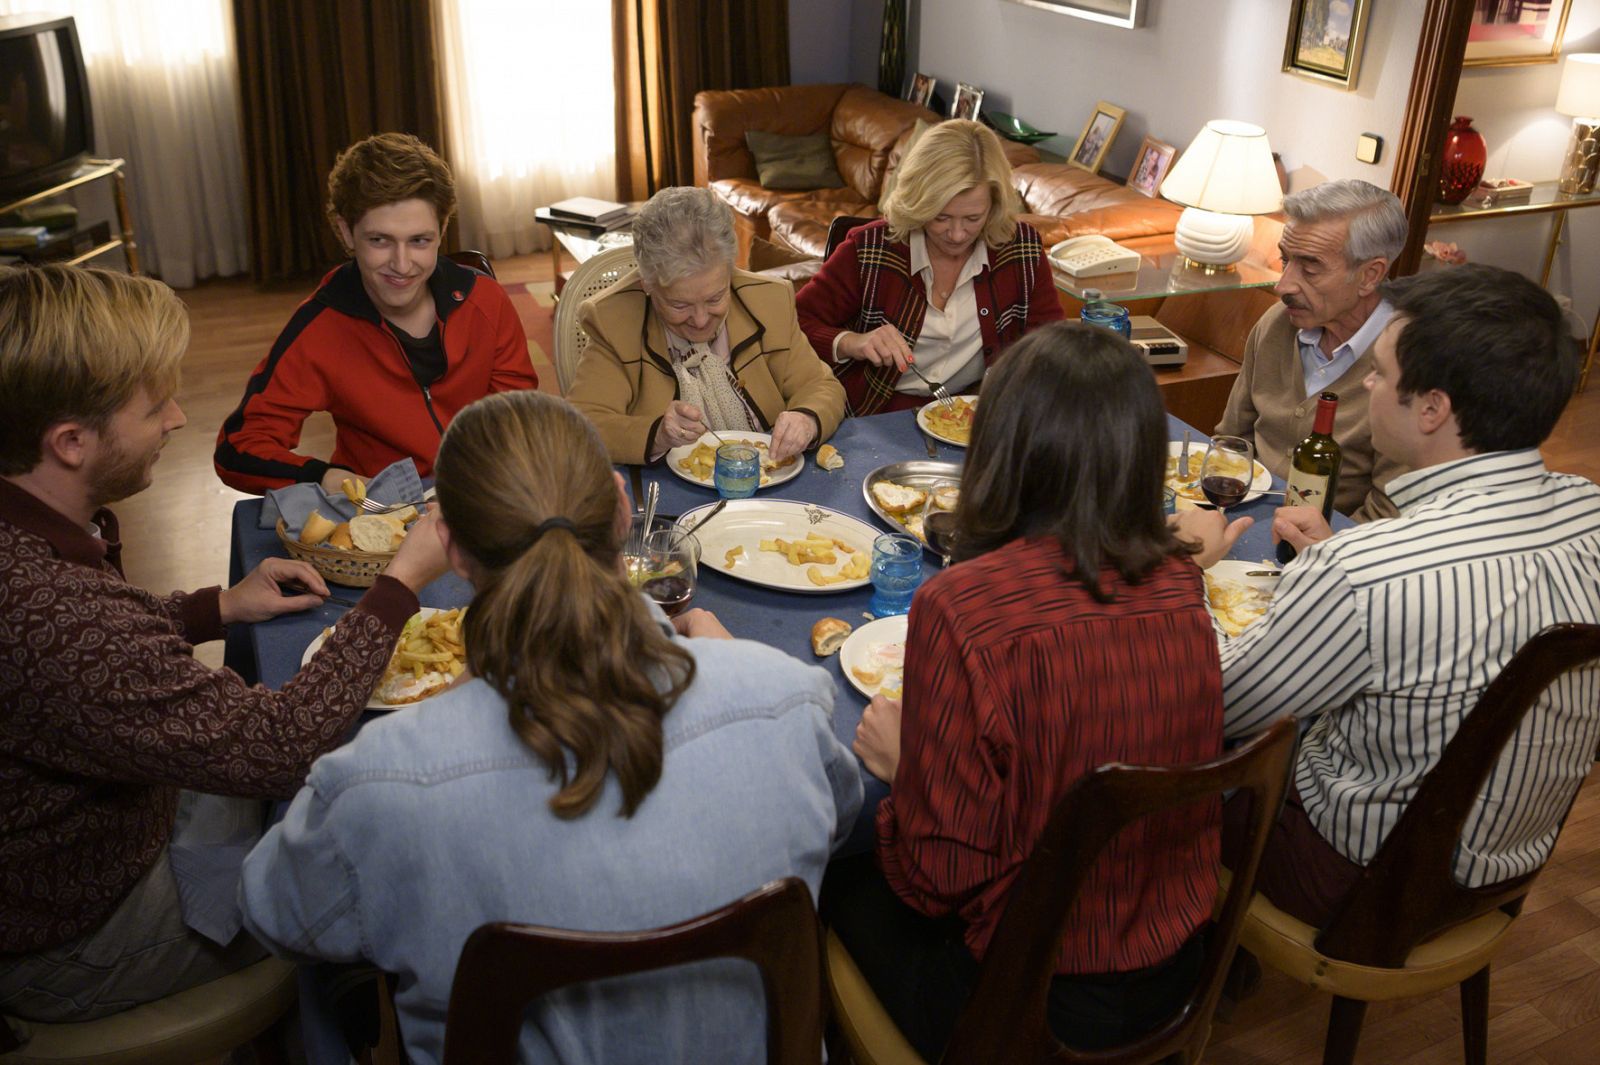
(896, 572)
(737, 473)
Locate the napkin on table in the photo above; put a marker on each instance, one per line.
(396, 483)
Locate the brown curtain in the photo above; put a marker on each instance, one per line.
(316, 76)
(668, 50)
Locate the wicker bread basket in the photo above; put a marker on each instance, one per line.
(352, 568)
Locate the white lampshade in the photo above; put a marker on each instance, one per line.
(1229, 169)
(1579, 94)
(1226, 175)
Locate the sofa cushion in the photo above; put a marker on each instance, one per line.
(865, 126)
(803, 224)
(785, 162)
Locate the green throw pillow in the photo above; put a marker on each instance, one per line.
(794, 162)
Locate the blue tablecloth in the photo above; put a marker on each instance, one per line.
(272, 650)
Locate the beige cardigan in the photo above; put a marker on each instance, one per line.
(625, 381)
(1269, 406)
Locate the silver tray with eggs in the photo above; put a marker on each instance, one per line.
(914, 477)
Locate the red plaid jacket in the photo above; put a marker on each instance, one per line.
(868, 282)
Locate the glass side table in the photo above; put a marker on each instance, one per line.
(1164, 272)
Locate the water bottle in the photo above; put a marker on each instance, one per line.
(1104, 313)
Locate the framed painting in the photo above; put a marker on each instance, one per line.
(1325, 39)
(1095, 140)
(1509, 33)
(1128, 14)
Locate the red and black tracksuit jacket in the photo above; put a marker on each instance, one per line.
(339, 355)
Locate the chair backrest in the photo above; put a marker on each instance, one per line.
(593, 276)
(475, 259)
(839, 228)
(1005, 1020)
(1408, 892)
(504, 967)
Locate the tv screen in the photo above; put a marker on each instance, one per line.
(45, 124)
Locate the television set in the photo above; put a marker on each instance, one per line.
(46, 129)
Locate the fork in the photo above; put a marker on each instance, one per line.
(372, 506)
(940, 393)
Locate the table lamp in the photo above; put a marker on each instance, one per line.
(1224, 177)
(1579, 97)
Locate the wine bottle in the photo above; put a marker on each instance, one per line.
(1314, 468)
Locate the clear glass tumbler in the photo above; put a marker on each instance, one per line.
(896, 572)
(737, 473)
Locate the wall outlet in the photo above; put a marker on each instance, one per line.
(1368, 147)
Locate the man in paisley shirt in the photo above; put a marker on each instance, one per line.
(104, 712)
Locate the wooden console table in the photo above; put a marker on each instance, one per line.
(1545, 198)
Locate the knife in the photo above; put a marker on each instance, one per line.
(713, 512)
(1183, 457)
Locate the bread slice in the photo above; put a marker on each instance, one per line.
(340, 537)
(316, 529)
(373, 533)
(897, 498)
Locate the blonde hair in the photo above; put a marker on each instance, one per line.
(387, 168)
(946, 161)
(76, 343)
(555, 627)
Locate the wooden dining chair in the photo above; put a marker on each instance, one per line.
(1407, 928)
(1005, 1019)
(475, 259)
(504, 967)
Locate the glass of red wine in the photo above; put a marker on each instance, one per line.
(666, 568)
(939, 518)
(1227, 472)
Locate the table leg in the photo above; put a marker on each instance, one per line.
(555, 264)
(1555, 242)
(1588, 359)
(130, 249)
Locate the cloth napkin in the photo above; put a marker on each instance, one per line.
(396, 483)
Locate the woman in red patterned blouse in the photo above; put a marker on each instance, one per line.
(1073, 632)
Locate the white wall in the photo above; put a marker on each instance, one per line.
(820, 41)
(1514, 109)
(1192, 60)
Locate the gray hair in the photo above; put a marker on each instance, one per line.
(680, 232)
(1377, 222)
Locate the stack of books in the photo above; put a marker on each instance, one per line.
(602, 214)
(22, 238)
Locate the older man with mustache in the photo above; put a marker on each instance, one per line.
(1337, 246)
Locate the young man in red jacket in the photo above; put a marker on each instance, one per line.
(391, 344)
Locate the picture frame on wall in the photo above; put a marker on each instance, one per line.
(921, 91)
(1095, 141)
(1150, 165)
(1513, 34)
(968, 99)
(1326, 39)
(1129, 14)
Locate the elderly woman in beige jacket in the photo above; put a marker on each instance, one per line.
(687, 343)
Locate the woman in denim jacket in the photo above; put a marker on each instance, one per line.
(592, 770)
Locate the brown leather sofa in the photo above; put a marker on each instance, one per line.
(869, 132)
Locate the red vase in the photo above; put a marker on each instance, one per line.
(1462, 165)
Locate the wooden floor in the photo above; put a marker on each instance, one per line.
(1545, 999)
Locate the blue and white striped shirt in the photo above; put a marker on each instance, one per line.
(1387, 634)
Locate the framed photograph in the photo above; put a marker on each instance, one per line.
(1150, 165)
(1125, 13)
(968, 97)
(1325, 38)
(1510, 33)
(921, 89)
(1095, 140)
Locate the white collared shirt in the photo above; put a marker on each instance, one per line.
(1321, 371)
(1385, 635)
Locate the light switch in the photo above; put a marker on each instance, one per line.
(1368, 147)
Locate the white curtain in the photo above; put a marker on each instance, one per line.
(528, 112)
(164, 82)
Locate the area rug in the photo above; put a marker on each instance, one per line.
(535, 302)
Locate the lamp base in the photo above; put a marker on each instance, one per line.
(1211, 239)
(1582, 162)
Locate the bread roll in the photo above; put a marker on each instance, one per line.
(828, 635)
(828, 457)
(372, 532)
(316, 529)
(340, 537)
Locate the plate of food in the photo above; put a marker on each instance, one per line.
(1188, 488)
(429, 655)
(873, 658)
(952, 424)
(695, 462)
(1236, 598)
(784, 544)
(898, 492)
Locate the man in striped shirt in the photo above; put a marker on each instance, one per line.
(1384, 636)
